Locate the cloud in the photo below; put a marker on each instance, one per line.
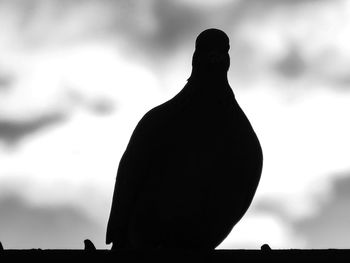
(295, 41)
(28, 226)
(253, 7)
(13, 131)
(256, 229)
(319, 71)
(292, 65)
(325, 227)
(99, 106)
(329, 228)
(152, 32)
(157, 30)
(6, 81)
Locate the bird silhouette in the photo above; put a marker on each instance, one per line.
(192, 165)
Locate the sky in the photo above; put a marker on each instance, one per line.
(69, 102)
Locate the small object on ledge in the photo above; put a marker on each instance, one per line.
(89, 245)
(265, 247)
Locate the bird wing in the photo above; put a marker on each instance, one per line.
(131, 174)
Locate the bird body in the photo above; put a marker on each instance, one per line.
(189, 172)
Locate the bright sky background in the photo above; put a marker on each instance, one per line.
(69, 102)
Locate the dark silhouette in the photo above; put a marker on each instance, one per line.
(1, 247)
(88, 245)
(175, 255)
(265, 248)
(192, 165)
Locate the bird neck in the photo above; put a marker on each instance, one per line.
(205, 87)
(210, 81)
(212, 77)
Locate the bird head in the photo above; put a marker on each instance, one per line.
(211, 53)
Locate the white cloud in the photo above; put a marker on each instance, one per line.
(254, 230)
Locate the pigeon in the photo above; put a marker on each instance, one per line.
(192, 165)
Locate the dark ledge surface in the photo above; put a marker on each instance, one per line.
(289, 255)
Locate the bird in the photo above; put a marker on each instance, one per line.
(192, 165)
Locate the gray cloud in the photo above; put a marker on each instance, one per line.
(253, 6)
(330, 227)
(292, 65)
(178, 22)
(322, 69)
(326, 66)
(13, 131)
(176, 26)
(26, 226)
(148, 30)
(5, 82)
(99, 106)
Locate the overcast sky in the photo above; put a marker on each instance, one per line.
(68, 105)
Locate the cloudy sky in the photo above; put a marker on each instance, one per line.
(69, 102)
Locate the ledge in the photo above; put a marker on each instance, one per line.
(38, 255)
